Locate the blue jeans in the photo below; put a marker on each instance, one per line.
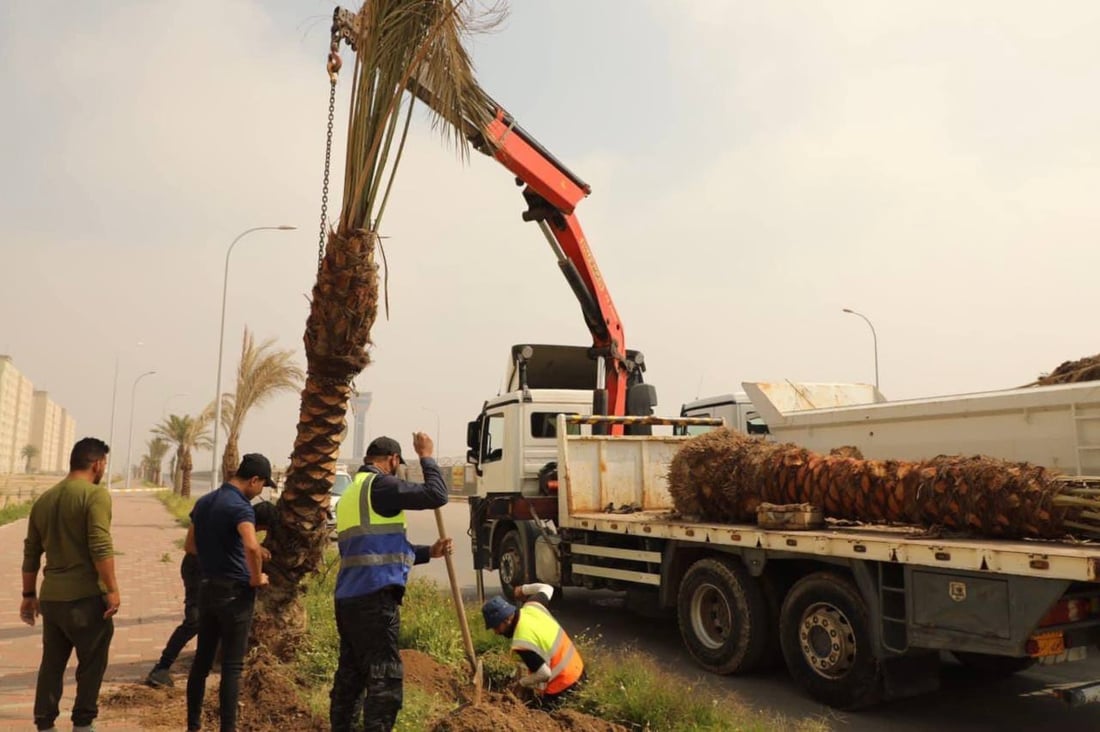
(225, 615)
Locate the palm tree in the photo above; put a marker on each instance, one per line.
(29, 452)
(263, 372)
(399, 44)
(186, 433)
(156, 449)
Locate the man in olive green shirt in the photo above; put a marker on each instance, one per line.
(71, 523)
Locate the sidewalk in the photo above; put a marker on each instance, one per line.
(147, 563)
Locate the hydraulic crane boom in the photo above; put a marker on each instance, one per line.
(552, 193)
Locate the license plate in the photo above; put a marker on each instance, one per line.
(1048, 644)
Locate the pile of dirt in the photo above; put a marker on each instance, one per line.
(506, 713)
(270, 693)
(427, 674)
(269, 702)
(1072, 372)
(137, 706)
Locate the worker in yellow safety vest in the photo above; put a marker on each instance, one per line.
(554, 665)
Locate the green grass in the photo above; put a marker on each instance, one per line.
(628, 687)
(177, 506)
(14, 512)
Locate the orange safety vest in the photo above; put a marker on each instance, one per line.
(536, 630)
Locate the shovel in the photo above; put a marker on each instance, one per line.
(456, 595)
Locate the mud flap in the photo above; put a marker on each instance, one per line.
(904, 676)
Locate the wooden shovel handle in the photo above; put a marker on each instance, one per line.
(456, 595)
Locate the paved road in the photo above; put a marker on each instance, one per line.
(1020, 703)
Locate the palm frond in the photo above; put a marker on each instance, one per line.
(402, 45)
(263, 372)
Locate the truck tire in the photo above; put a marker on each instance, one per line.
(825, 632)
(513, 564)
(723, 616)
(993, 667)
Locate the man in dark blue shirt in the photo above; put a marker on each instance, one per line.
(223, 535)
(375, 557)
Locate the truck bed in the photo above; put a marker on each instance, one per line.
(620, 485)
(905, 545)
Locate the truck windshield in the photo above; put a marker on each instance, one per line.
(340, 484)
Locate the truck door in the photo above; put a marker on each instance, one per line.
(494, 476)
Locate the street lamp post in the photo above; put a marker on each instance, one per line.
(221, 341)
(874, 338)
(130, 442)
(114, 403)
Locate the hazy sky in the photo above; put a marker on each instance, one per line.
(755, 167)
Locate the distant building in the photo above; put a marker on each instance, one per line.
(30, 417)
(360, 404)
(16, 405)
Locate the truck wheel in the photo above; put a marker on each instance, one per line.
(993, 667)
(723, 616)
(513, 564)
(825, 632)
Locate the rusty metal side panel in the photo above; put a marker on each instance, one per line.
(613, 473)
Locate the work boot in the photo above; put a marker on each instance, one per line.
(159, 677)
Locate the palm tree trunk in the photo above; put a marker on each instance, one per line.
(342, 312)
(724, 476)
(185, 466)
(231, 458)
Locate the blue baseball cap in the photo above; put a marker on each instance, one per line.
(496, 611)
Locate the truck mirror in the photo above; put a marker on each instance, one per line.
(473, 438)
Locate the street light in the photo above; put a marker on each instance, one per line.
(221, 340)
(436, 428)
(130, 443)
(874, 337)
(114, 402)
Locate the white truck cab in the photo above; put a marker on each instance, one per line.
(735, 409)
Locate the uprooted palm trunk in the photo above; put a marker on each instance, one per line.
(342, 312)
(1072, 372)
(723, 476)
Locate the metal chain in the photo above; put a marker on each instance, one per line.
(333, 71)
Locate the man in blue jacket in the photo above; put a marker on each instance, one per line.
(375, 558)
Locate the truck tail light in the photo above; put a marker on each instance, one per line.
(1071, 611)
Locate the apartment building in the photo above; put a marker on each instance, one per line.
(29, 417)
(16, 404)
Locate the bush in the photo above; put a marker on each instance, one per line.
(178, 506)
(15, 511)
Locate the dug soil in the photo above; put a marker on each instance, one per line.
(269, 703)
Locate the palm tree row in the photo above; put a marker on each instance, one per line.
(262, 372)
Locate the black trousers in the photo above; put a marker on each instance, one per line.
(225, 615)
(79, 625)
(369, 661)
(191, 574)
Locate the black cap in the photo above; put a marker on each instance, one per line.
(383, 447)
(255, 465)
